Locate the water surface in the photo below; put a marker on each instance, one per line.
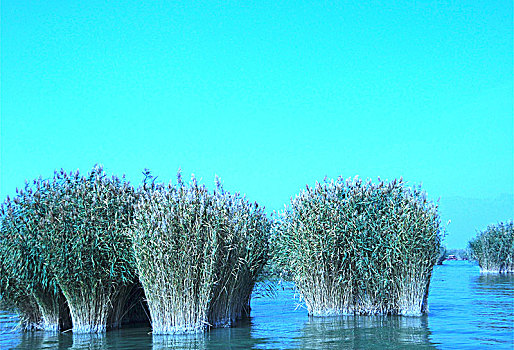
(466, 311)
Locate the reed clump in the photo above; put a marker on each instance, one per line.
(82, 228)
(198, 254)
(355, 247)
(26, 282)
(442, 255)
(493, 248)
(14, 297)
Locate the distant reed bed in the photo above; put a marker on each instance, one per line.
(493, 248)
(355, 247)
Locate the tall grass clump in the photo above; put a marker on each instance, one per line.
(14, 296)
(493, 248)
(355, 247)
(83, 234)
(26, 282)
(198, 254)
(442, 255)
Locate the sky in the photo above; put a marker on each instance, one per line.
(268, 95)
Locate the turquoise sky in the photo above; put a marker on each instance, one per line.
(269, 95)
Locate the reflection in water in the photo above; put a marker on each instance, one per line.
(358, 332)
(131, 338)
(495, 282)
(44, 340)
(183, 341)
(466, 308)
(494, 307)
(89, 341)
(238, 337)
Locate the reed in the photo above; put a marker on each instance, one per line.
(355, 247)
(27, 280)
(83, 235)
(14, 297)
(442, 255)
(493, 248)
(198, 254)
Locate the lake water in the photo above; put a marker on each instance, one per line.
(467, 311)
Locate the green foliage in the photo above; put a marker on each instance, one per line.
(442, 255)
(14, 296)
(198, 254)
(83, 223)
(360, 248)
(26, 281)
(493, 248)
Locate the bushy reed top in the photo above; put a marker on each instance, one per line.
(83, 223)
(493, 248)
(198, 254)
(23, 219)
(360, 247)
(68, 234)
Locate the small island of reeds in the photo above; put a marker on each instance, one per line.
(198, 254)
(65, 253)
(355, 247)
(493, 248)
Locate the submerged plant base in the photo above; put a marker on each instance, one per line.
(191, 341)
(496, 271)
(411, 313)
(330, 312)
(89, 328)
(30, 326)
(183, 329)
(163, 325)
(55, 312)
(89, 341)
(191, 328)
(50, 327)
(89, 312)
(225, 323)
(414, 310)
(53, 320)
(30, 315)
(172, 318)
(189, 322)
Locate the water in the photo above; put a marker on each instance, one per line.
(467, 311)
